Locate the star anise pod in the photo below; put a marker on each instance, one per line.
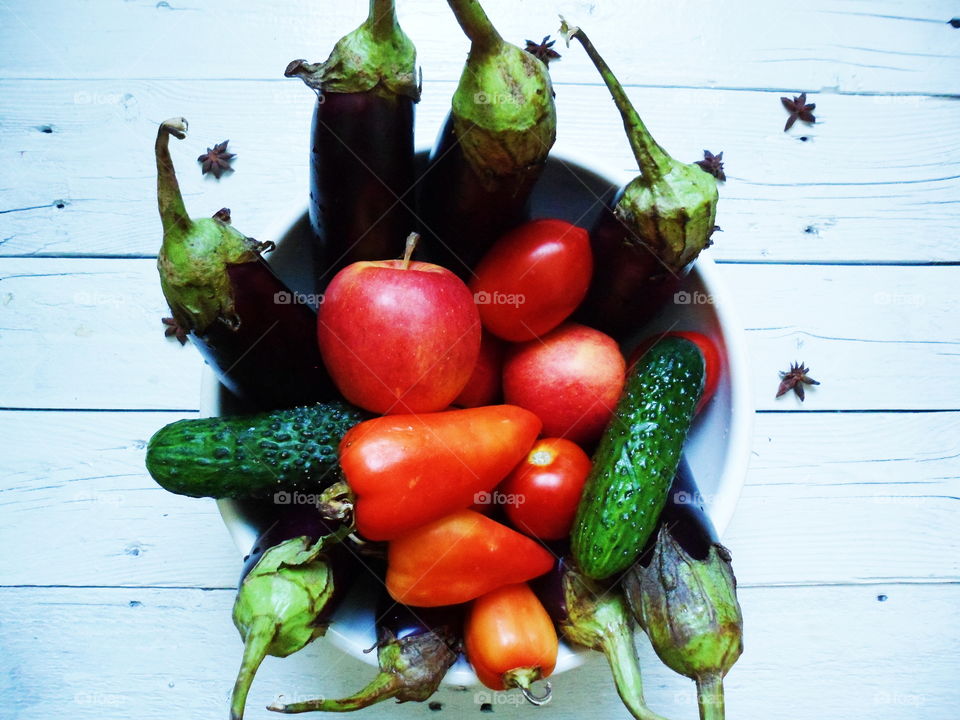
(799, 110)
(173, 329)
(794, 379)
(216, 160)
(543, 50)
(712, 164)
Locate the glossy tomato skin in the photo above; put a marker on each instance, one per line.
(532, 279)
(508, 629)
(571, 378)
(545, 488)
(485, 385)
(711, 357)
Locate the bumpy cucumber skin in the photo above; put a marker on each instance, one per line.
(252, 456)
(637, 458)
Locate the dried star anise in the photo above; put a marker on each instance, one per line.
(216, 160)
(799, 110)
(173, 329)
(712, 164)
(794, 379)
(543, 50)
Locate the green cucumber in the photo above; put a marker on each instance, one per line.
(252, 456)
(637, 458)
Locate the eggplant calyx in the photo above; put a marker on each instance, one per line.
(504, 115)
(195, 253)
(670, 208)
(377, 56)
(411, 669)
(688, 607)
(278, 604)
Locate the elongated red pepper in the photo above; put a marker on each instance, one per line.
(407, 470)
(510, 640)
(458, 558)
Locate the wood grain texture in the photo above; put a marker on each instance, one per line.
(877, 338)
(77, 171)
(160, 654)
(816, 483)
(845, 45)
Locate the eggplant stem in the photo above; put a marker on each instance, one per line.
(259, 637)
(653, 160)
(382, 687)
(382, 19)
(710, 696)
(620, 652)
(173, 213)
(476, 25)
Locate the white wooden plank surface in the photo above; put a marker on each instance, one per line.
(876, 337)
(817, 482)
(831, 652)
(845, 45)
(859, 189)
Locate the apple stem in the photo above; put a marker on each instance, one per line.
(412, 240)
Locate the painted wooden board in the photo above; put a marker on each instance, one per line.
(876, 337)
(875, 493)
(152, 654)
(846, 45)
(77, 170)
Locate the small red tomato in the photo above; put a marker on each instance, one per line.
(571, 379)
(532, 279)
(484, 386)
(545, 488)
(510, 639)
(711, 360)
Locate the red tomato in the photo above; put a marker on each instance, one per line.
(484, 386)
(711, 360)
(510, 639)
(532, 279)
(545, 488)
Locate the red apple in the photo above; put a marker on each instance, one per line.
(484, 385)
(399, 336)
(571, 379)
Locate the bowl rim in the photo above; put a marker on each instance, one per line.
(732, 479)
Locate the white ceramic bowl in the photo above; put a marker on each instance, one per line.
(717, 448)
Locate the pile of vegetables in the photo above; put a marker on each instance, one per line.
(460, 422)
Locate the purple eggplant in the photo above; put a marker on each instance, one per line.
(415, 648)
(362, 152)
(684, 595)
(292, 581)
(659, 223)
(245, 322)
(492, 147)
